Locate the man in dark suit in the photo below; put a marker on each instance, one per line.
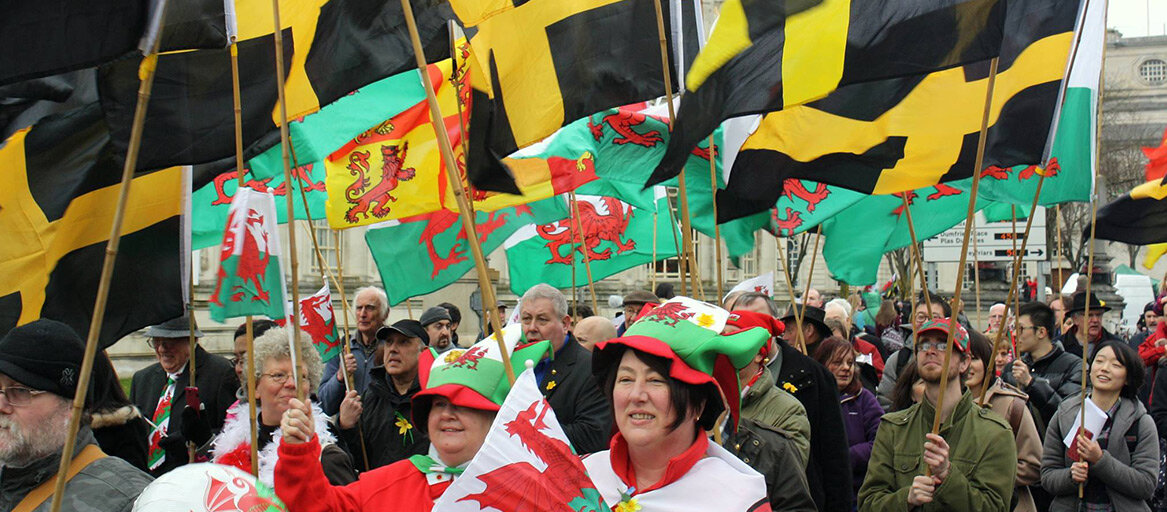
(566, 380)
(166, 382)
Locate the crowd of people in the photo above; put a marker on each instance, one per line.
(856, 403)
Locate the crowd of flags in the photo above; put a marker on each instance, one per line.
(856, 106)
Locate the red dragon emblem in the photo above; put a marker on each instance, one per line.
(302, 174)
(441, 221)
(312, 312)
(623, 122)
(943, 190)
(596, 227)
(787, 224)
(520, 487)
(668, 314)
(238, 495)
(374, 200)
(469, 359)
(795, 188)
(253, 258)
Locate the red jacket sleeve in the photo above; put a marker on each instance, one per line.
(301, 484)
(1148, 351)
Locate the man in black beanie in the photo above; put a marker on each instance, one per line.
(40, 364)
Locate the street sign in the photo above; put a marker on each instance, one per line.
(995, 241)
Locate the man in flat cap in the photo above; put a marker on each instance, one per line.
(160, 392)
(40, 363)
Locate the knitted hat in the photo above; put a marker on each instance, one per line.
(43, 354)
(475, 377)
(688, 332)
(941, 326)
(434, 314)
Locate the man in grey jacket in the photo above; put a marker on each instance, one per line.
(39, 365)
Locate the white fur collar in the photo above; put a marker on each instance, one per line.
(114, 417)
(236, 432)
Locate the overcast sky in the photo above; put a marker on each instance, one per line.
(1131, 17)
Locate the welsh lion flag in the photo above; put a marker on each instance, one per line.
(616, 235)
(251, 277)
(526, 462)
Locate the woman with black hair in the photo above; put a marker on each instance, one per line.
(1119, 464)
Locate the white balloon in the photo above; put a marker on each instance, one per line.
(207, 487)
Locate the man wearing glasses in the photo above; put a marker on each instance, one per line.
(936, 309)
(40, 363)
(160, 392)
(968, 466)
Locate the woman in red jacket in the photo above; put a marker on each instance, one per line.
(463, 391)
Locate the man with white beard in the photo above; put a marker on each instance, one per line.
(39, 366)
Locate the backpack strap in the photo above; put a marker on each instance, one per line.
(42, 492)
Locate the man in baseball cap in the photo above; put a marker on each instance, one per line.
(938, 472)
(40, 363)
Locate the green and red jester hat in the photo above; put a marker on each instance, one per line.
(474, 377)
(688, 333)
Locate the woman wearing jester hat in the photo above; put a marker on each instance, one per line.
(462, 392)
(669, 378)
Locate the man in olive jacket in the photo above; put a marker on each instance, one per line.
(972, 462)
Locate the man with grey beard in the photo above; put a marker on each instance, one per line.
(39, 366)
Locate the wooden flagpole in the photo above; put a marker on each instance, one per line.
(652, 268)
(809, 276)
(146, 71)
(1017, 258)
(682, 192)
(919, 266)
(972, 202)
(716, 227)
(793, 300)
(583, 247)
(464, 207)
(347, 345)
(250, 333)
(285, 144)
(680, 255)
(1061, 273)
(976, 272)
(191, 448)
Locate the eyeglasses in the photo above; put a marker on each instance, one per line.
(1024, 327)
(19, 396)
(278, 378)
(924, 346)
(165, 342)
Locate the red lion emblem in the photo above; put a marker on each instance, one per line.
(623, 122)
(668, 313)
(520, 487)
(596, 228)
(469, 359)
(375, 201)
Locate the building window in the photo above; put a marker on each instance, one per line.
(1153, 71)
(327, 248)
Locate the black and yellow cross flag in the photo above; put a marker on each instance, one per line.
(544, 63)
(858, 63)
(331, 48)
(56, 210)
(1137, 218)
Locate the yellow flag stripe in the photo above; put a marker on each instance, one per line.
(814, 51)
(1149, 190)
(255, 20)
(730, 36)
(935, 116)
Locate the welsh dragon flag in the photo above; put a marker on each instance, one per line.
(211, 203)
(616, 235)
(251, 277)
(526, 462)
(318, 320)
(426, 253)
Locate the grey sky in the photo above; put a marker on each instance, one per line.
(1131, 17)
